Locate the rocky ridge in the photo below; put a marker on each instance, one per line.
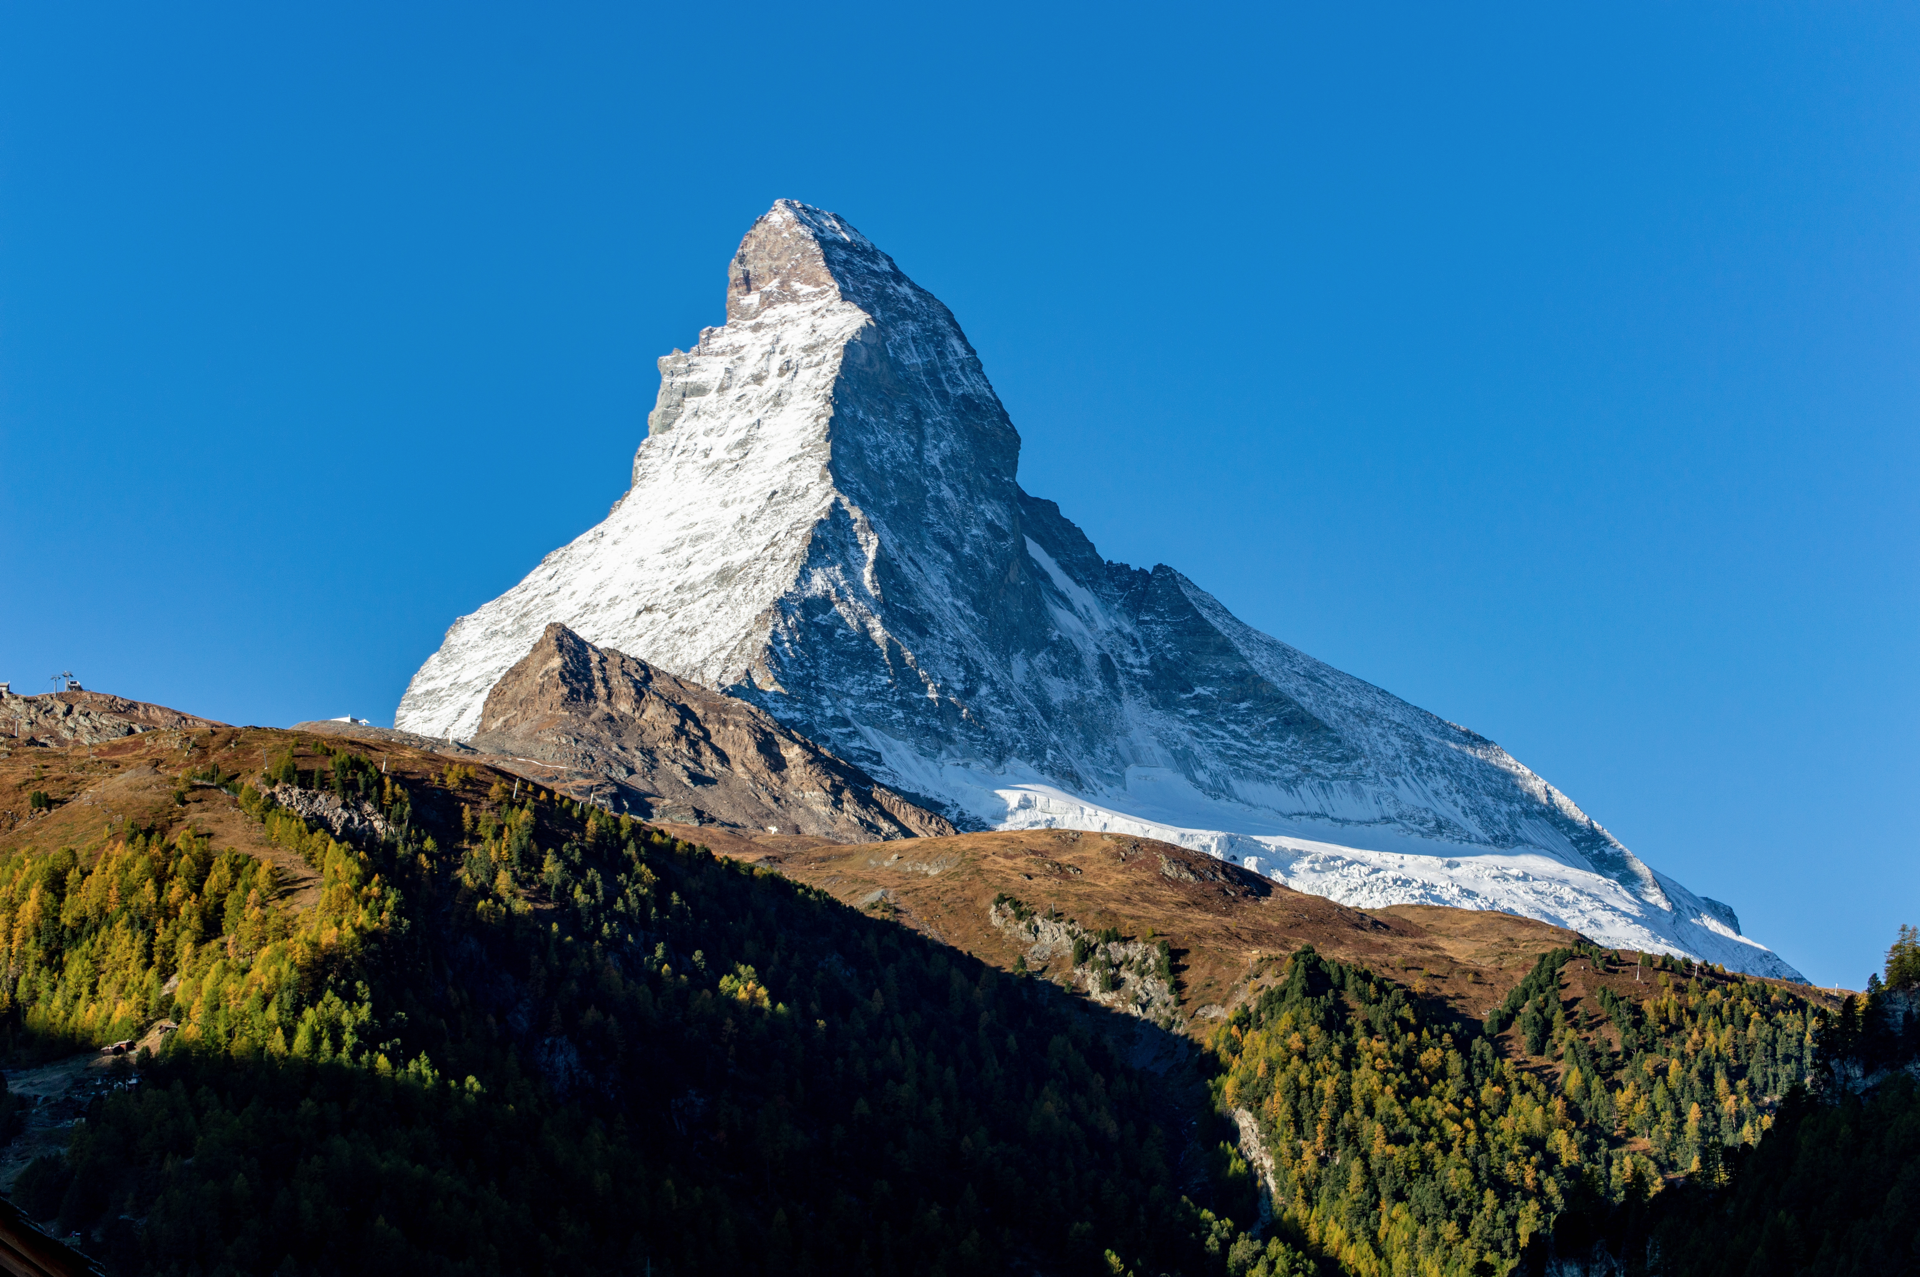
(673, 750)
(58, 719)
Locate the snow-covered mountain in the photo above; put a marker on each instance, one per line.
(824, 520)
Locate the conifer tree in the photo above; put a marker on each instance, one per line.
(1903, 960)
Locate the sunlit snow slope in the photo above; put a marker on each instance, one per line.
(824, 520)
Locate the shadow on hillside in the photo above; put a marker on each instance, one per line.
(645, 1056)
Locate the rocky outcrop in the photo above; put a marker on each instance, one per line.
(673, 750)
(1253, 1147)
(1123, 975)
(1893, 1025)
(359, 820)
(86, 718)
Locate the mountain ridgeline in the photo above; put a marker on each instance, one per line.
(672, 750)
(824, 521)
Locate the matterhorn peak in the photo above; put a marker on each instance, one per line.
(824, 521)
(791, 255)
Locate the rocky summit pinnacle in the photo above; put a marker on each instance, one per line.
(824, 521)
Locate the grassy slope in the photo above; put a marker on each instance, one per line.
(1227, 926)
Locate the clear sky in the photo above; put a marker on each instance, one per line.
(1553, 367)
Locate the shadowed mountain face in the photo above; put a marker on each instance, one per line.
(824, 520)
(673, 750)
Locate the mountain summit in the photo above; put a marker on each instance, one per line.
(824, 521)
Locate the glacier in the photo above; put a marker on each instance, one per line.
(824, 520)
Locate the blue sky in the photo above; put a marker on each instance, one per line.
(1552, 367)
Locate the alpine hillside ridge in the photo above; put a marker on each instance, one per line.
(673, 750)
(824, 521)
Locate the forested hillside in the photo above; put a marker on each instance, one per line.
(1405, 1140)
(516, 1035)
(1834, 1190)
(428, 1017)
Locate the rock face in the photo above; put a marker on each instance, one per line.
(672, 750)
(1119, 974)
(86, 718)
(359, 819)
(824, 521)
